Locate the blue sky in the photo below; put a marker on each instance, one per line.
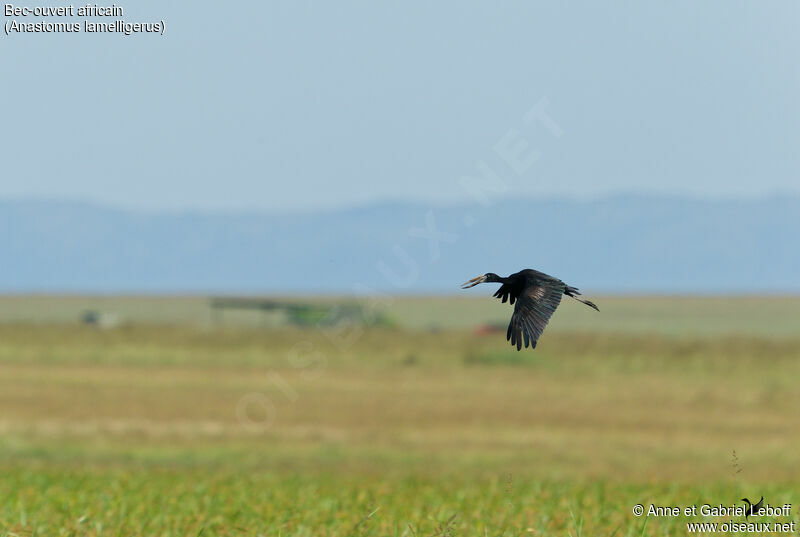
(308, 104)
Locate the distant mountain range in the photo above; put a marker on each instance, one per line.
(617, 244)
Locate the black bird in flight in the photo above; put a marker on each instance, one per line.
(537, 296)
(753, 509)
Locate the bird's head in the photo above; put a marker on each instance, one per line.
(489, 277)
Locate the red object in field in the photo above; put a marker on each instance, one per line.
(487, 329)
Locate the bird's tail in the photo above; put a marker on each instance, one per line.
(573, 292)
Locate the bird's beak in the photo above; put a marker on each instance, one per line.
(473, 282)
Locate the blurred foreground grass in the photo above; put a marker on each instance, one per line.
(189, 429)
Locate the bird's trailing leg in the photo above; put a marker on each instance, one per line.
(473, 282)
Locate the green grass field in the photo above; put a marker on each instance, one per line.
(169, 424)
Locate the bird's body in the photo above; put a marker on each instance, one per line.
(536, 294)
(752, 509)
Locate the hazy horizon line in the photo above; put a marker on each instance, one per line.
(389, 201)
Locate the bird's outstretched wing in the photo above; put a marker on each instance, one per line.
(505, 292)
(535, 305)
